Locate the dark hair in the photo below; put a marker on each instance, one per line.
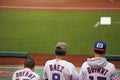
(59, 52)
(99, 52)
(29, 63)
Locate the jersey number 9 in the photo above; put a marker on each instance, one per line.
(56, 76)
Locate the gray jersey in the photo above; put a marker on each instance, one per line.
(60, 70)
(25, 74)
(98, 69)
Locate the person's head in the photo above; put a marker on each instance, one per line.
(29, 63)
(100, 48)
(61, 49)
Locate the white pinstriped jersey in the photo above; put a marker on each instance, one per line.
(60, 70)
(25, 74)
(98, 69)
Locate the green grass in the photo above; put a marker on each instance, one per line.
(39, 31)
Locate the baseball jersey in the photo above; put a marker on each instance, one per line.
(98, 69)
(60, 70)
(25, 74)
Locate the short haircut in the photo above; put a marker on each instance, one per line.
(59, 52)
(99, 52)
(29, 63)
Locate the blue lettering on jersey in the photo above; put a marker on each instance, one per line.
(101, 71)
(56, 67)
(26, 74)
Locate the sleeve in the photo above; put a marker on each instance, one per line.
(45, 72)
(14, 76)
(38, 77)
(114, 75)
(81, 73)
(74, 73)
